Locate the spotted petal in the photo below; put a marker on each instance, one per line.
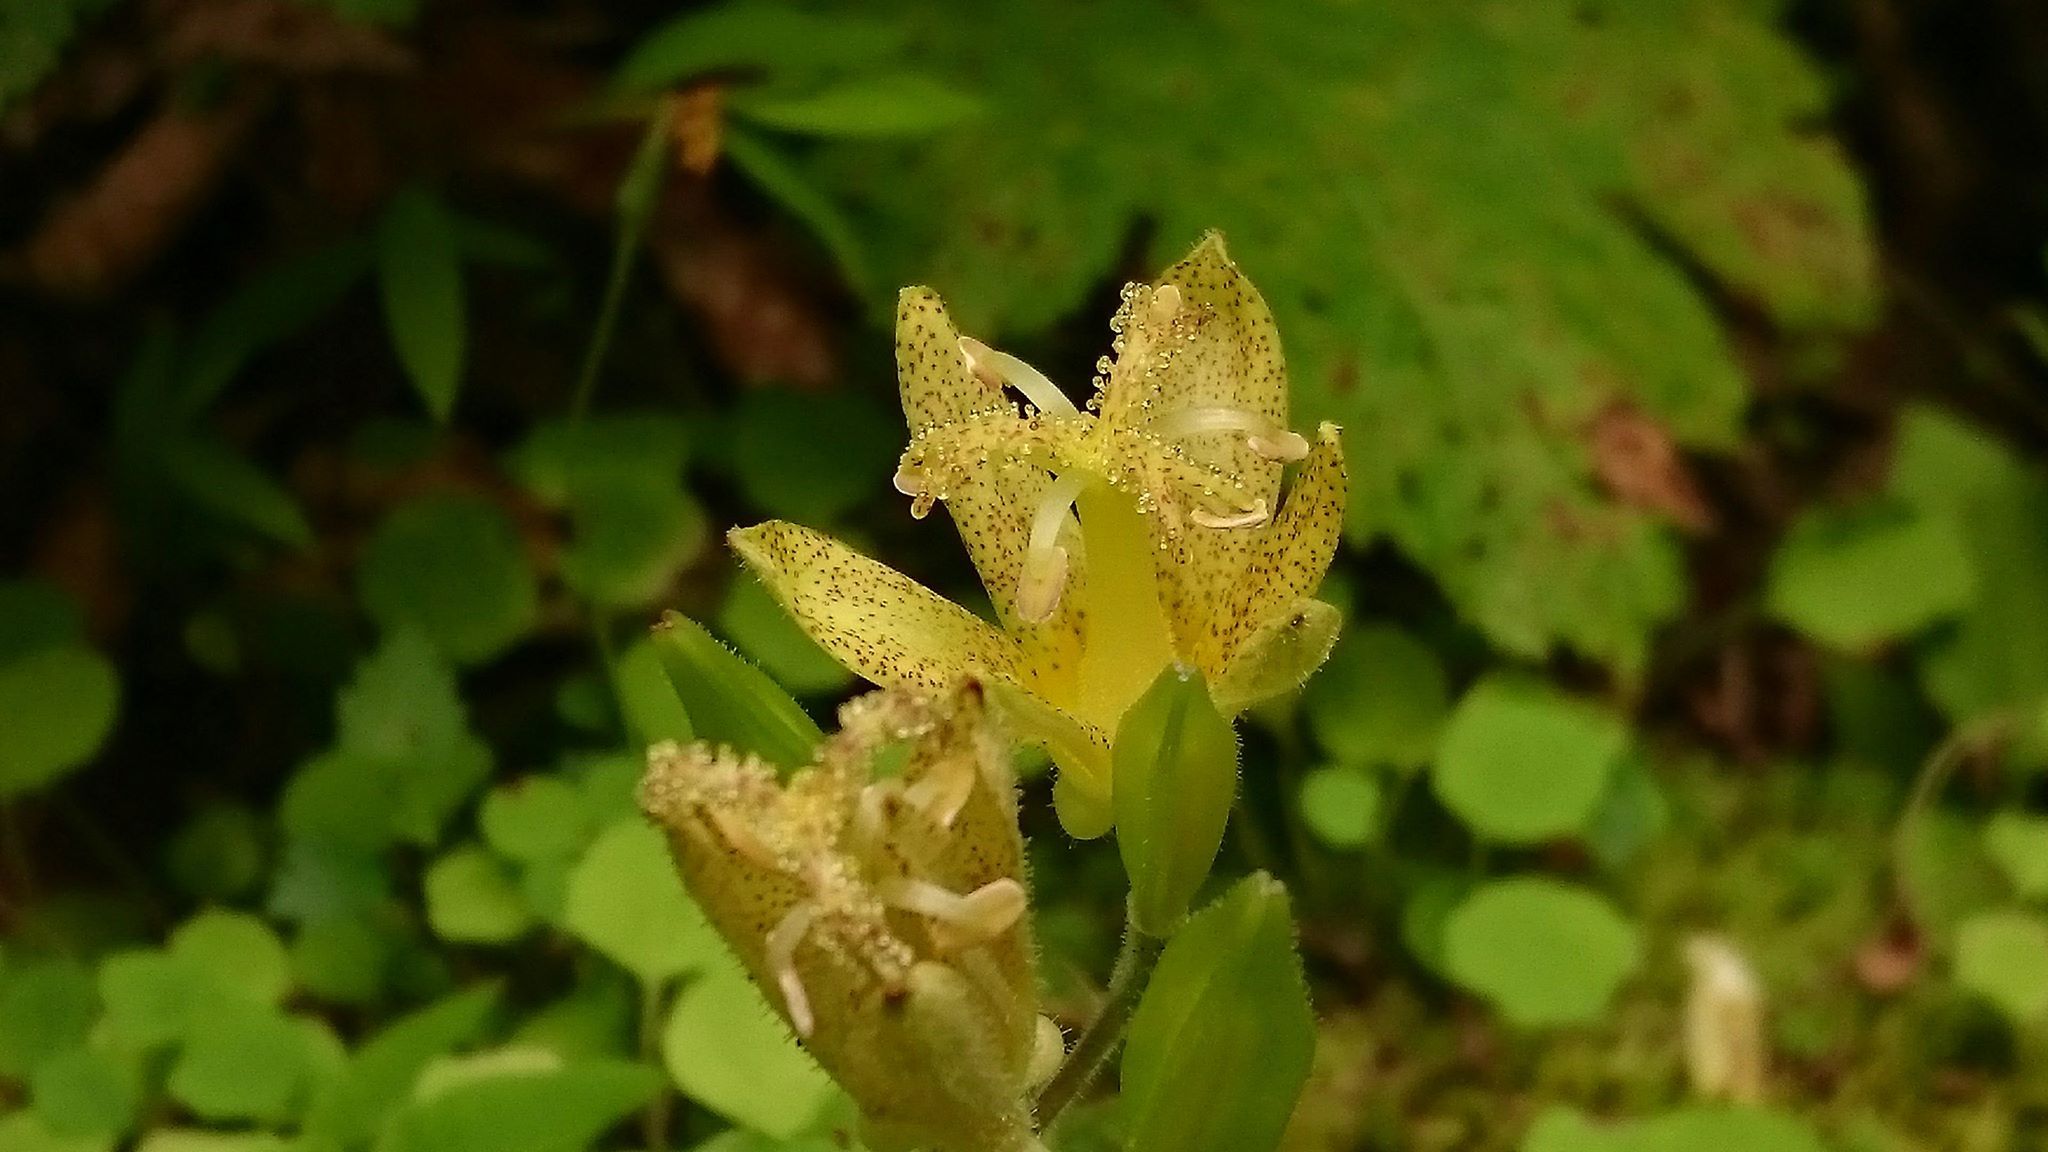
(872, 618)
(1295, 550)
(993, 505)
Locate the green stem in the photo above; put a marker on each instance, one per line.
(1936, 771)
(1134, 964)
(639, 192)
(660, 1114)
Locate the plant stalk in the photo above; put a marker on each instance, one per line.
(1134, 963)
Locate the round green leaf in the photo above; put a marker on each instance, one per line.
(343, 958)
(613, 448)
(1523, 763)
(219, 853)
(1544, 952)
(630, 540)
(45, 1007)
(83, 1092)
(452, 567)
(2003, 957)
(1341, 806)
(812, 486)
(240, 1062)
(35, 615)
(342, 800)
(726, 1050)
(471, 899)
(2020, 845)
(238, 952)
(1838, 575)
(148, 996)
(1381, 699)
(536, 818)
(626, 900)
(59, 704)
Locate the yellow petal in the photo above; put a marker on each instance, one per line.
(993, 506)
(1277, 655)
(1296, 549)
(1079, 750)
(872, 618)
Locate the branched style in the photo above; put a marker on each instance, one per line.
(1145, 529)
(882, 912)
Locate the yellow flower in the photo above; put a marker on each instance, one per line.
(1145, 530)
(884, 918)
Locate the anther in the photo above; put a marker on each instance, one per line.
(1261, 435)
(1165, 303)
(1251, 517)
(781, 954)
(1044, 575)
(961, 921)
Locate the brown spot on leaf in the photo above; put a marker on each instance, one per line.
(1639, 465)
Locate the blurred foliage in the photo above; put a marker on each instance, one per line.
(1680, 599)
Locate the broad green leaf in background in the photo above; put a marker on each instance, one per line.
(1381, 698)
(1223, 1038)
(1341, 805)
(882, 105)
(219, 853)
(241, 1061)
(85, 1092)
(1856, 578)
(59, 704)
(630, 540)
(1631, 813)
(561, 458)
(727, 1050)
(769, 636)
(1707, 1128)
(45, 1008)
(729, 701)
(402, 719)
(765, 164)
(1997, 655)
(1943, 464)
(237, 953)
(453, 568)
(148, 995)
(1444, 205)
(223, 483)
(25, 1131)
(471, 899)
(2020, 845)
(267, 308)
(34, 615)
(1948, 874)
(2003, 957)
(344, 957)
(1544, 952)
(381, 1073)
(536, 818)
(420, 277)
(1175, 771)
(756, 36)
(1522, 762)
(626, 900)
(812, 458)
(199, 1140)
(563, 1109)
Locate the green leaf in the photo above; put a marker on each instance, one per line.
(648, 700)
(1701, 1128)
(630, 541)
(729, 701)
(1942, 464)
(198, 1140)
(1854, 579)
(1341, 805)
(149, 997)
(45, 1008)
(563, 1109)
(25, 1131)
(1521, 762)
(35, 615)
(420, 277)
(536, 818)
(766, 634)
(1381, 699)
(2020, 845)
(219, 854)
(882, 106)
(1175, 770)
(789, 186)
(471, 899)
(343, 957)
(726, 1050)
(1223, 1039)
(33, 37)
(454, 568)
(379, 1076)
(2003, 957)
(402, 717)
(237, 952)
(84, 1092)
(1947, 875)
(599, 451)
(626, 900)
(772, 434)
(221, 482)
(1997, 655)
(341, 800)
(1544, 952)
(59, 704)
(265, 309)
(241, 1061)
(754, 37)
(1632, 812)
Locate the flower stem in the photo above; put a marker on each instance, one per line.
(1960, 747)
(1134, 964)
(655, 1122)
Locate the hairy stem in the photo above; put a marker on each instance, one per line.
(1134, 964)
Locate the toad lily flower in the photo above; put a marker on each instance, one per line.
(884, 918)
(1146, 530)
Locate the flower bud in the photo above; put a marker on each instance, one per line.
(1724, 1023)
(1175, 771)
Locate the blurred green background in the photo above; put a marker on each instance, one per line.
(373, 371)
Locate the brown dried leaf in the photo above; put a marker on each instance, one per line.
(699, 127)
(1638, 463)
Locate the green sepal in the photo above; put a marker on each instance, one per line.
(1175, 766)
(728, 700)
(1223, 1040)
(1279, 655)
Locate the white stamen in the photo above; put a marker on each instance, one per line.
(782, 942)
(944, 790)
(1043, 393)
(1044, 577)
(1261, 435)
(961, 921)
(1250, 518)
